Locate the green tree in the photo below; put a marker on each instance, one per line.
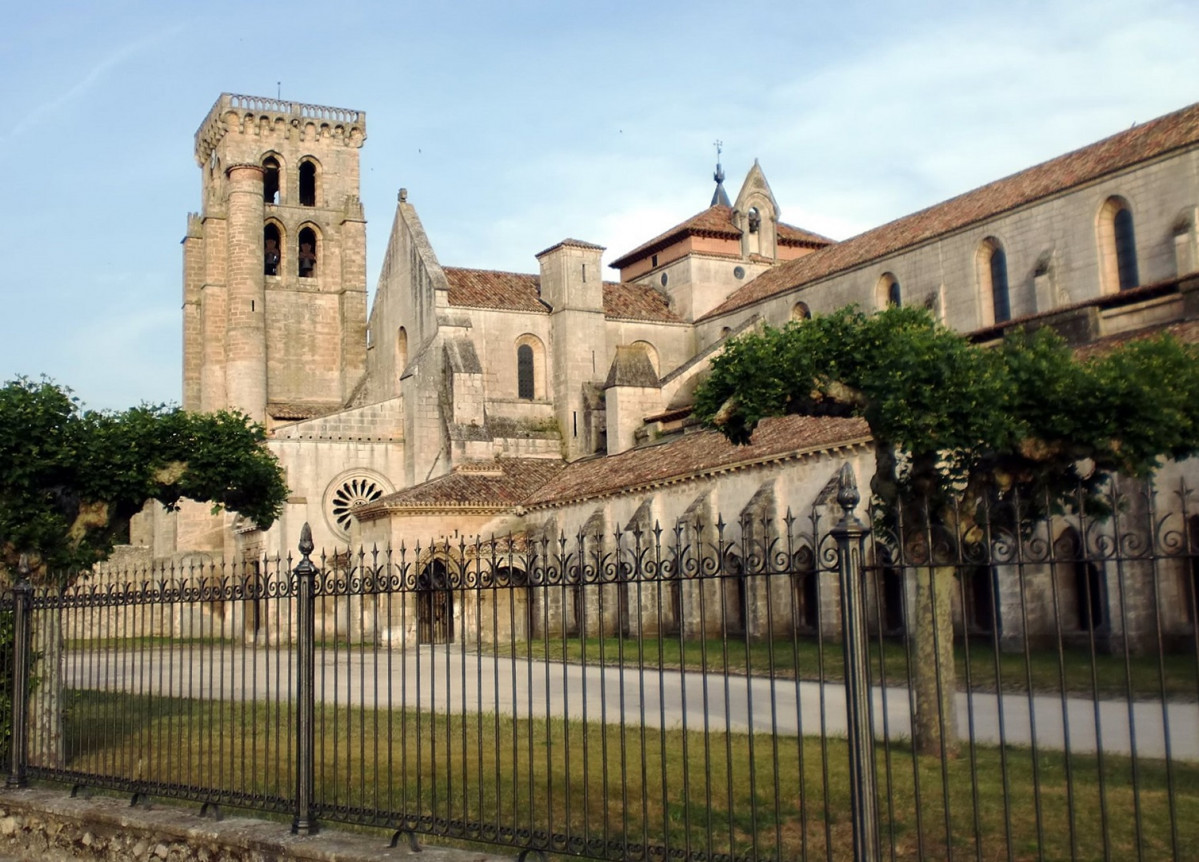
(70, 480)
(957, 425)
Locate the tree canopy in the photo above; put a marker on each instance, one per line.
(71, 478)
(951, 417)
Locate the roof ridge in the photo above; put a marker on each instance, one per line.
(1055, 175)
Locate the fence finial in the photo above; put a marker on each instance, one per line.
(306, 545)
(847, 489)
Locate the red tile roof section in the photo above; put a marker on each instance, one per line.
(716, 221)
(636, 302)
(501, 483)
(696, 454)
(514, 291)
(486, 288)
(1122, 150)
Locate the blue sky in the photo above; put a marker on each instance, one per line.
(516, 124)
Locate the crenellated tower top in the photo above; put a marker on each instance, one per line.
(275, 117)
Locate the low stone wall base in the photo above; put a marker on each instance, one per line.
(50, 826)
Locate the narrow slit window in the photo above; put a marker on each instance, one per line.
(1000, 300)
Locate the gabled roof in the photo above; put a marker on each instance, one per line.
(514, 291)
(697, 454)
(1138, 144)
(716, 221)
(498, 484)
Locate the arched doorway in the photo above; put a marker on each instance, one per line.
(434, 605)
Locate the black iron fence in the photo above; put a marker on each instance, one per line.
(1025, 685)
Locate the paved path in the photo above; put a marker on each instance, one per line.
(459, 681)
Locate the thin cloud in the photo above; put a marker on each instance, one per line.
(93, 77)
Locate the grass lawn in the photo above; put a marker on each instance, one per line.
(1074, 671)
(739, 794)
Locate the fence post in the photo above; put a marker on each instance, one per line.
(305, 572)
(22, 593)
(850, 534)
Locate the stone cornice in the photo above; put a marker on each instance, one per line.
(233, 111)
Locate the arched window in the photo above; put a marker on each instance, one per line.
(307, 183)
(401, 350)
(800, 311)
(307, 257)
(993, 283)
(530, 367)
(272, 249)
(525, 381)
(1126, 249)
(1117, 246)
(887, 293)
(725, 332)
(651, 353)
(270, 180)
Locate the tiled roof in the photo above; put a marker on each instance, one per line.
(501, 483)
(514, 291)
(1127, 148)
(486, 288)
(636, 302)
(694, 455)
(716, 221)
(289, 411)
(573, 243)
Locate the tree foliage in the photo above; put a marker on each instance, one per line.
(953, 419)
(70, 478)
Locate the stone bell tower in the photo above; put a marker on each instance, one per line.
(274, 265)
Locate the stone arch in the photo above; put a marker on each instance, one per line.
(995, 304)
(801, 312)
(725, 332)
(651, 352)
(308, 250)
(530, 367)
(887, 292)
(309, 181)
(274, 239)
(1117, 246)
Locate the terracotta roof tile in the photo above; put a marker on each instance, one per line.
(694, 454)
(716, 221)
(636, 302)
(514, 291)
(486, 288)
(289, 410)
(501, 483)
(1142, 142)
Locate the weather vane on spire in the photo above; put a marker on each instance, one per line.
(719, 196)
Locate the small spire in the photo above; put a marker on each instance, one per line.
(719, 196)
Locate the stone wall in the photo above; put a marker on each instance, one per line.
(51, 827)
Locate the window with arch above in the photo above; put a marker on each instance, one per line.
(306, 258)
(307, 183)
(993, 282)
(888, 293)
(1117, 246)
(270, 180)
(800, 311)
(272, 249)
(525, 380)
